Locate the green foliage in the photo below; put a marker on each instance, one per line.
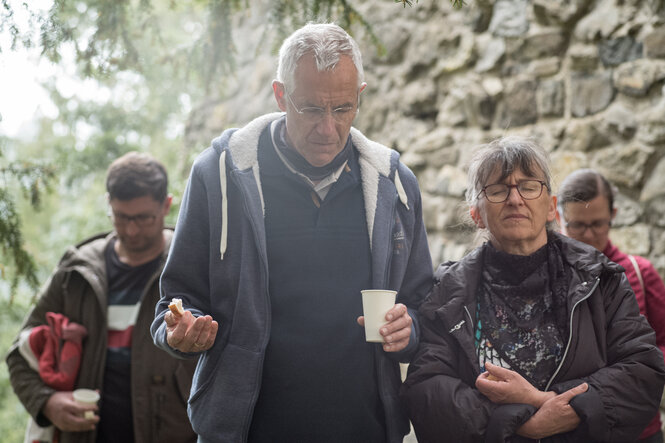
(457, 4)
(13, 416)
(29, 179)
(111, 36)
(286, 15)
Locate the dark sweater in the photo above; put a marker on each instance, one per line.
(318, 377)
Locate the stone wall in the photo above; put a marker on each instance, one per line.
(585, 78)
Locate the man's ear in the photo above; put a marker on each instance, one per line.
(167, 204)
(279, 91)
(476, 217)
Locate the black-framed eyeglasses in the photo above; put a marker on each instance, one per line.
(315, 114)
(527, 189)
(140, 220)
(598, 227)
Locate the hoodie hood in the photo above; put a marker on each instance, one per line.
(240, 147)
(87, 257)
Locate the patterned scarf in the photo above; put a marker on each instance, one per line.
(522, 307)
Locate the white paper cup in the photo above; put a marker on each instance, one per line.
(86, 397)
(376, 304)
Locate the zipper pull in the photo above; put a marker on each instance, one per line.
(457, 326)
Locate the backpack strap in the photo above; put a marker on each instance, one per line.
(637, 271)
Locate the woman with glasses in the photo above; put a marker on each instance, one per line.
(532, 335)
(585, 213)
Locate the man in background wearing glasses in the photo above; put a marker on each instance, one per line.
(284, 222)
(109, 284)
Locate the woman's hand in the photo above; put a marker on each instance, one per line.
(503, 386)
(554, 417)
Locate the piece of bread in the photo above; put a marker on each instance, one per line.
(176, 307)
(493, 378)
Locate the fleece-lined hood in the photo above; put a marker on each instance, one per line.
(375, 159)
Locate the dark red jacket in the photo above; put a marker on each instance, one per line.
(651, 301)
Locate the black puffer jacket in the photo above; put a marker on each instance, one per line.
(611, 347)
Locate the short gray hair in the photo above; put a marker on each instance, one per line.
(326, 42)
(506, 155)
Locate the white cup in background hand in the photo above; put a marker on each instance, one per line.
(376, 304)
(86, 397)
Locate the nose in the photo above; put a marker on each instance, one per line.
(514, 196)
(327, 124)
(131, 228)
(587, 233)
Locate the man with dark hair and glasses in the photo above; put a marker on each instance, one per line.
(109, 284)
(585, 212)
(284, 222)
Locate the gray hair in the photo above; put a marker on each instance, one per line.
(326, 41)
(506, 155)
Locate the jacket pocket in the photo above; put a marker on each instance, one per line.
(183, 379)
(222, 405)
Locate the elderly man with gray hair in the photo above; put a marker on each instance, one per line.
(283, 223)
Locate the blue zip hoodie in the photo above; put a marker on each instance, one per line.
(218, 266)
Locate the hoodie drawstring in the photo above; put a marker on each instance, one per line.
(400, 191)
(225, 215)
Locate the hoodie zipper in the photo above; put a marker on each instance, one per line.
(390, 243)
(380, 372)
(264, 272)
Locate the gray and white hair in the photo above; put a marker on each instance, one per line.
(326, 42)
(506, 155)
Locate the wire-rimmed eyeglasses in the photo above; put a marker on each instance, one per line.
(527, 189)
(141, 220)
(598, 227)
(315, 114)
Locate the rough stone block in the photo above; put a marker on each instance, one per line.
(623, 165)
(519, 105)
(632, 238)
(654, 44)
(636, 77)
(618, 50)
(590, 93)
(655, 185)
(583, 135)
(619, 120)
(510, 18)
(550, 98)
